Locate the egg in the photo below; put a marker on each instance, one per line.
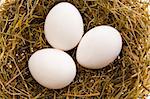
(99, 47)
(2, 2)
(64, 26)
(52, 68)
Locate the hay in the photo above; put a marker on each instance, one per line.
(21, 34)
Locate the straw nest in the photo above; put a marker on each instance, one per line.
(22, 33)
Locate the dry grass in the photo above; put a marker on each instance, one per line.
(21, 34)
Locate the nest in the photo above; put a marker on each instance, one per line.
(22, 33)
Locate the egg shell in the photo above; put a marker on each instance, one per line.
(52, 68)
(99, 47)
(64, 26)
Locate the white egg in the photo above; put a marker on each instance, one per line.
(52, 68)
(2, 2)
(99, 47)
(64, 26)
